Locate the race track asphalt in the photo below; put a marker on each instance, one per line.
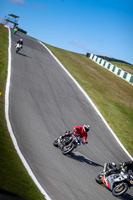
(44, 102)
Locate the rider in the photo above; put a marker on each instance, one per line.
(15, 29)
(80, 132)
(118, 168)
(20, 41)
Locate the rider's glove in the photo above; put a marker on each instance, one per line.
(104, 173)
(107, 172)
(85, 142)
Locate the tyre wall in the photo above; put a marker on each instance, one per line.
(112, 68)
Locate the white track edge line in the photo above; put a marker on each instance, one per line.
(86, 95)
(10, 127)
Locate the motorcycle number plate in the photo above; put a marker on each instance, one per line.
(131, 182)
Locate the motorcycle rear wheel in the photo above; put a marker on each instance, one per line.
(67, 149)
(120, 189)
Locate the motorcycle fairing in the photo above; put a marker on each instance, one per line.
(115, 178)
(105, 181)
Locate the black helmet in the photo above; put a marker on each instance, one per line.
(111, 165)
(86, 128)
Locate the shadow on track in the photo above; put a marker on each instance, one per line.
(81, 158)
(126, 197)
(23, 55)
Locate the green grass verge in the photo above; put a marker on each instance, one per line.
(112, 95)
(13, 176)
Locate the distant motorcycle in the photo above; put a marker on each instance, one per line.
(18, 47)
(15, 31)
(67, 144)
(118, 183)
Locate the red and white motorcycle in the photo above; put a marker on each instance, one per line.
(118, 183)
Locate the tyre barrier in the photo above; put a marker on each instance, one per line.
(112, 68)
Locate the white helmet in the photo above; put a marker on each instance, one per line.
(21, 40)
(86, 128)
(113, 164)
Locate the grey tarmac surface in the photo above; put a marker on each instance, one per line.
(44, 103)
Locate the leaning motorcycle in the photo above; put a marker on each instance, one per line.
(67, 144)
(18, 47)
(118, 183)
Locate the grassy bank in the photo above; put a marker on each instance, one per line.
(112, 95)
(13, 176)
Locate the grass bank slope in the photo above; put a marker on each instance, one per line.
(13, 176)
(112, 95)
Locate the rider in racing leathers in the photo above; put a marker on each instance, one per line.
(118, 168)
(80, 132)
(20, 41)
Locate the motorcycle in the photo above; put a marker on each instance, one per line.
(118, 183)
(18, 47)
(67, 143)
(15, 31)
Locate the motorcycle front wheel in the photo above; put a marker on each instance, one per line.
(120, 189)
(55, 143)
(98, 178)
(67, 149)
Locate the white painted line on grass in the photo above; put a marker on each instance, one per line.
(90, 102)
(10, 127)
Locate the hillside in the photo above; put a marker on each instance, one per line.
(112, 95)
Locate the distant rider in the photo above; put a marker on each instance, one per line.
(15, 29)
(80, 132)
(20, 41)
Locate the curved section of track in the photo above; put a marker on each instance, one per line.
(44, 102)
